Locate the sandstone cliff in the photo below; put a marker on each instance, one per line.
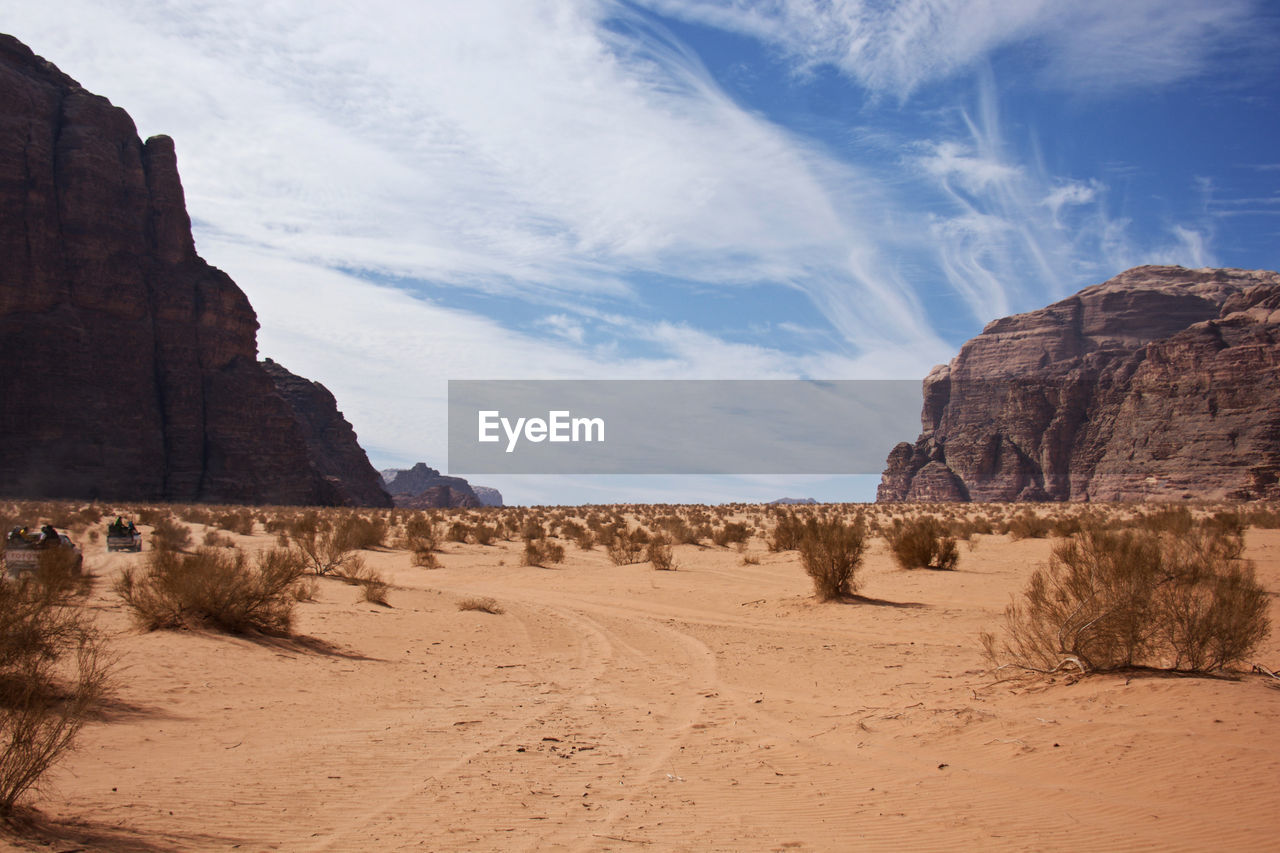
(331, 442)
(128, 365)
(1161, 383)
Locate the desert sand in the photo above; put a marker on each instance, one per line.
(716, 707)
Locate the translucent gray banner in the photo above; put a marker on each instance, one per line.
(679, 426)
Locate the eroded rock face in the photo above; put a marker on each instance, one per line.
(331, 441)
(1161, 383)
(128, 365)
(423, 487)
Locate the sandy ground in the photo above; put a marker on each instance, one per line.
(717, 707)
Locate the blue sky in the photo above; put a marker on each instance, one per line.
(505, 189)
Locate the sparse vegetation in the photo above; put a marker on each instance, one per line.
(542, 553)
(214, 587)
(831, 551)
(170, 535)
(1180, 600)
(484, 605)
(54, 671)
(923, 543)
(661, 555)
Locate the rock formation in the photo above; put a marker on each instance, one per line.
(1162, 383)
(128, 365)
(487, 495)
(331, 442)
(423, 487)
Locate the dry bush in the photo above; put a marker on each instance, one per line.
(215, 587)
(1266, 518)
(750, 560)
(541, 553)
(324, 553)
(1112, 600)
(169, 535)
(831, 552)
(923, 543)
(458, 532)
(54, 670)
(425, 559)
(585, 540)
(484, 605)
(786, 533)
(732, 532)
(483, 534)
(661, 554)
(627, 547)
(237, 521)
(1028, 525)
(1173, 519)
(373, 587)
(357, 533)
(214, 539)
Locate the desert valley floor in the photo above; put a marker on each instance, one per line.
(715, 707)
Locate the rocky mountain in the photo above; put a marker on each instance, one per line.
(794, 501)
(487, 495)
(128, 365)
(423, 487)
(1162, 383)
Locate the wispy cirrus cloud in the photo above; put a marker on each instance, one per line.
(546, 151)
(895, 48)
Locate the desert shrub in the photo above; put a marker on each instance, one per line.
(1173, 519)
(627, 547)
(730, 533)
(786, 533)
(541, 553)
(483, 605)
(661, 555)
(373, 587)
(1111, 600)
(831, 552)
(214, 539)
(237, 521)
(458, 532)
(420, 526)
(606, 535)
(54, 671)
(923, 543)
(169, 535)
(483, 534)
(324, 552)
(1226, 524)
(1028, 525)
(585, 540)
(355, 532)
(1266, 518)
(215, 587)
(750, 560)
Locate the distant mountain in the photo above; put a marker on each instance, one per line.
(128, 365)
(793, 501)
(422, 487)
(488, 496)
(1159, 384)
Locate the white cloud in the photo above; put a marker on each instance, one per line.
(521, 149)
(896, 48)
